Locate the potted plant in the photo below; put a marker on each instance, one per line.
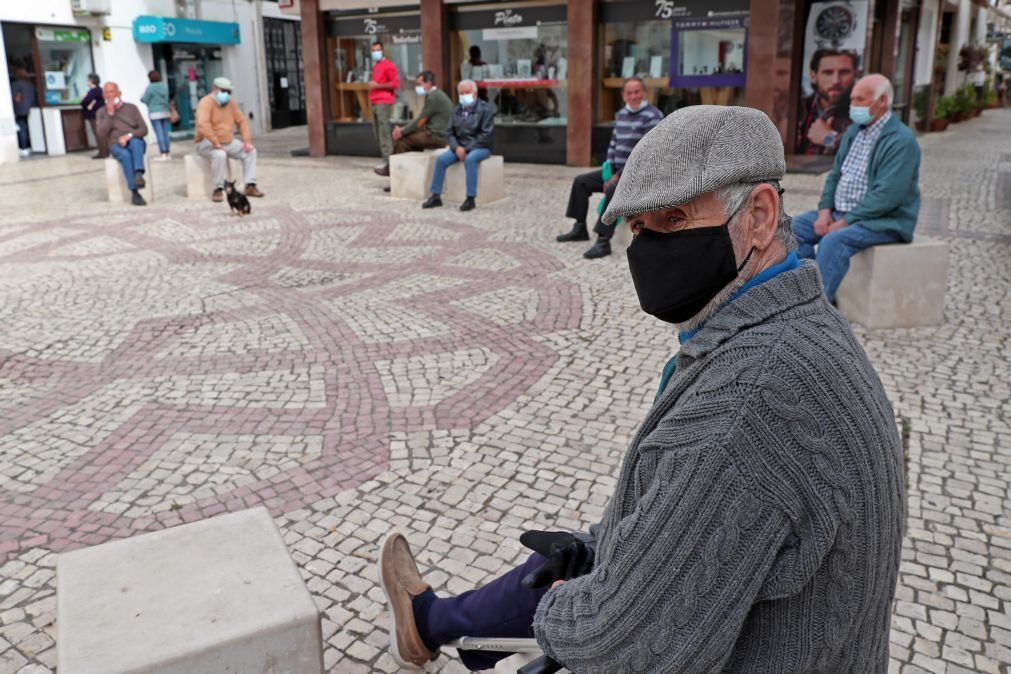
(942, 113)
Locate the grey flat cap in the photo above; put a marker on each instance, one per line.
(696, 150)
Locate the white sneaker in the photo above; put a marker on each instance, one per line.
(164, 157)
(25, 152)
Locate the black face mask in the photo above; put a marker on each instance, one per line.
(676, 274)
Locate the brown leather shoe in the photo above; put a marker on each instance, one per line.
(218, 195)
(401, 581)
(383, 170)
(251, 191)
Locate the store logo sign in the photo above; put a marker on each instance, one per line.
(664, 9)
(507, 18)
(371, 26)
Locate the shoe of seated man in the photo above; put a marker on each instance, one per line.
(252, 191)
(600, 249)
(136, 199)
(468, 204)
(218, 195)
(402, 582)
(138, 178)
(433, 201)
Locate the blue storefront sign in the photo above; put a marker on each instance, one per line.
(170, 29)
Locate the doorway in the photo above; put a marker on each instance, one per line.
(902, 78)
(285, 81)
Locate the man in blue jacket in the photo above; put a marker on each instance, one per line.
(470, 135)
(872, 195)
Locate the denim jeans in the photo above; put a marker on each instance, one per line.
(835, 248)
(162, 127)
(23, 141)
(448, 158)
(131, 158)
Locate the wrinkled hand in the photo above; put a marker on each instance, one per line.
(461, 153)
(397, 133)
(123, 140)
(567, 557)
(818, 130)
(247, 147)
(823, 222)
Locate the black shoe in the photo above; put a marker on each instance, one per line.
(387, 188)
(136, 199)
(577, 233)
(432, 202)
(468, 204)
(600, 249)
(138, 178)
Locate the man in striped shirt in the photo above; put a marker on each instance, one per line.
(633, 121)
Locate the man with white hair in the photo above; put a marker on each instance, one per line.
(756, 521)
(872, 195)
(470, 135)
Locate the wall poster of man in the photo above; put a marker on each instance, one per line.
(833, 55)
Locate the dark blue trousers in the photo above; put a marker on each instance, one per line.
(503, 608)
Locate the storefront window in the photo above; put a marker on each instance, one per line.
(350, 41)
(640, 48)
(65, 60)
(189, 70)
(518, 57)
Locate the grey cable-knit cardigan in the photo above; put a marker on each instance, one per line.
(757, 520)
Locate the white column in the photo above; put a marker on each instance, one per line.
(8, 131)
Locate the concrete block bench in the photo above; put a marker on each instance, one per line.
(490, 181)
(200, 180)
(411, 173)
(115, 182)
(411, 176)
(218, 595)
(896, 286)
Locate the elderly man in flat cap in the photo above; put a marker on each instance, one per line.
(756, 522)
(217, 118)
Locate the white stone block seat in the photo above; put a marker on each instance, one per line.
(490, 181)
(411, 176)
(214, 596)
(200, 180)
(115, 182)
(411, 173)
(899, 285)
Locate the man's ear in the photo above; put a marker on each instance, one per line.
(764, 215)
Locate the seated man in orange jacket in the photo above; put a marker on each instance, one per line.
(217, 117)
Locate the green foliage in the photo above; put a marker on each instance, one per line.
(920, 102)
(945, 108)
(965, 100)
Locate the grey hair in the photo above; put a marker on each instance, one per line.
(883, 88)
(733, 197)
(468, 83)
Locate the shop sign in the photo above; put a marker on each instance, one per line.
(171, 29)
(667, 10)
(694, 60)
(518, 33)
(54, 35)
(506, 19)
(414, 38)
(375, 25)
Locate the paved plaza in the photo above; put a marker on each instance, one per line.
(357, 365)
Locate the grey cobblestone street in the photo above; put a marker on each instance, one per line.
(357, 365)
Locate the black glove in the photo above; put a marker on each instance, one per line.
(568, 557)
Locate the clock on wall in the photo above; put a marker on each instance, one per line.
(835, 22)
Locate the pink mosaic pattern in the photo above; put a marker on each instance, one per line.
(161, 371)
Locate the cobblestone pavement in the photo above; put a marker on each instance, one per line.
(358, 365)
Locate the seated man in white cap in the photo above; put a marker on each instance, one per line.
(217, 117)
(756, 522)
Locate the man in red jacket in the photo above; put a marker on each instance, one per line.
(382, 94)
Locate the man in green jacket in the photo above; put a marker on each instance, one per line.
(872, 195)
(427, 130)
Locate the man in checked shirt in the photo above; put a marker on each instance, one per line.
(872, 195)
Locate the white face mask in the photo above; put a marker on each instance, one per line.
(466, 100)
(420, 91)
(635, 109)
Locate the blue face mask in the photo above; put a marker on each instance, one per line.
(420, 91)
(860, 114)
(223, 97)
(377, 55)
(466, 100)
